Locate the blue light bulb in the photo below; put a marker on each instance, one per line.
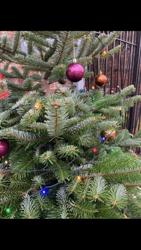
(43, 191)
(102, 139)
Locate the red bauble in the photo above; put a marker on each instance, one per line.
(4, 147)
(94, 150)
(4, 94)
(1, 76)
(101, 79)
(75, 72)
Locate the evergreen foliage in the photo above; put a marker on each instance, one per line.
(51, 137)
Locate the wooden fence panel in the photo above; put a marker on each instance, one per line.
(123, 69)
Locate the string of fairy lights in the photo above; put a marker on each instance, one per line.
(43, 190)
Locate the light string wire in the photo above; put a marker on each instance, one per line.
(2, 170)
(25, 193)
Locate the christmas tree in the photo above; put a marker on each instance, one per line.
(65, 155)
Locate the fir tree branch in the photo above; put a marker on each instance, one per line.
(125, 172)
(16, 41)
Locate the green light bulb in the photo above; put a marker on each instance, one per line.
(8, 210)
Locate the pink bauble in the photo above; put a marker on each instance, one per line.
(75, 72)
(4, 147)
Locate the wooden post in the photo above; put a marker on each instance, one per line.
(134, 112)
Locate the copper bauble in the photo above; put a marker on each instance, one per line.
(101, 79)
(110, 135)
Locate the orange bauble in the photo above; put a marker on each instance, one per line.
(101, 79)
(110, 135)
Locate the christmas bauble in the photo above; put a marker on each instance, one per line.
(75, 72)
(110, 135)
(94, 150)
(1, 76)
(4, 94)
(4, 147)
(101, 79)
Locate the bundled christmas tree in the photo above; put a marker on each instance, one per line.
(66, 155)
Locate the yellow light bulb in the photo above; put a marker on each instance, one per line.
(125, 216)
(78, 178)
(103, 53)
(38, 105)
